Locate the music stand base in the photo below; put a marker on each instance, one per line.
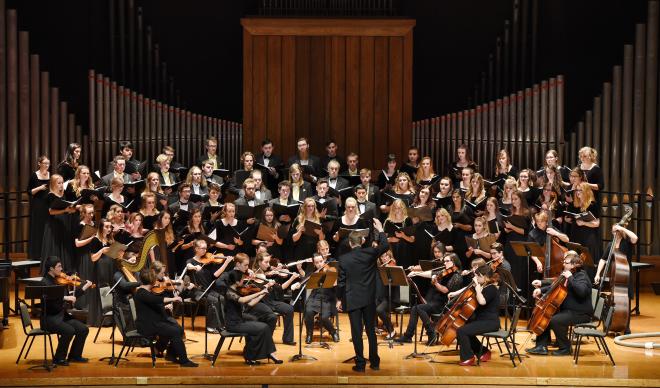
(48, 367)
(414, 355)
(349, 360)
(111, 360)
(302, 357)
(390, 343)
(323, 345)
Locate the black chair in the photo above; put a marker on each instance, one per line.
(508, 336)
(31, 333)
(224, 333)
(132, 339)
(598, 336)
(106, 307)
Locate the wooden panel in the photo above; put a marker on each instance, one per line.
(334, 88)
(24, 108)
(328, 27)
(367, 80)
(274, 92)
(12, 96)
(35, 113)
(353, 94)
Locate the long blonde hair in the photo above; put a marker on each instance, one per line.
(587, 196)
(301, 214)
(398, 203)
(75, 183)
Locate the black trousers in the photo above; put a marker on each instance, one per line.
(286, 310)
(422, 311)
(325, 320)
(383, 312)
(170, 337)
(68, 329)
(466, 336)
(264, 314)
(559, 324)
(258, 341)
(359, 318)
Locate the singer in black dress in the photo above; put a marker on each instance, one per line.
(38, 190)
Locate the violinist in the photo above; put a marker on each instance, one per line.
(485, 317)
(575, 309)
(539, 235)
(256, 311)
(383, 297)
(204, 276)
(626, 239)
(262, 262)
(153, 321)
(445, 279)
(57, 321)
(258, 341)
(318, 296)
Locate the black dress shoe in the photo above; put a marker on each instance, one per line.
(358, 368)
(275, 360)
(374, 367)
(403, 339)
(78, 359)
(292, 343)
(562, 352)
(308, 339)
(212, 330)
(335, 336)
(170, 357)
(252, 362)
(61, 362)
(189, 364)
(539, 350)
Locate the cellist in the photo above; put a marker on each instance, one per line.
(485, 318)
(576, 307)
(626, 240)
(539, 234)
(436, 296)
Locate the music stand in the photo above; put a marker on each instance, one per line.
(392, 276)
(527, 249)
(300, 355)
(115, 308)
(43, 293)
(206, 354)
(321, 280)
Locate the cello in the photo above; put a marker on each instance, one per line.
(618, 277)
(459, 313)
(547, 305)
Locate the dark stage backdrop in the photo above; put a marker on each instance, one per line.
(345, 79)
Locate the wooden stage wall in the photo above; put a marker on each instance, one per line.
(344, 79)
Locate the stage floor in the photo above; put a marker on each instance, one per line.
(634, 367)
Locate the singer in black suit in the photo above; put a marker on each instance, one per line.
(358, 274)
(274, 163)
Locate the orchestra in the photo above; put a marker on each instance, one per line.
(288, 220)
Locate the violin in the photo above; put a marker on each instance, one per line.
(163, 285)
(443, 273)
(251, 285)
(391, 262)
(210, 258)
(70, 280)
(496, 263)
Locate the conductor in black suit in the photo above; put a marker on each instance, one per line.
(358, 274)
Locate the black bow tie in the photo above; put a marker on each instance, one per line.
(183, 203)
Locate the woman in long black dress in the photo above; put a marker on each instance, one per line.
(259, 339)
(350, 220)
(462, 217)
(82, 180)
(403, 190)
(164, 223)
(503, 168)
(422, 239)
(67, 168)
(585, 233)
(494, 218)
(83, 255)
(516, 228)
(463, 160)
(228, 228)
(412, 164)
(387, 175)
(104, 269)
(38, 189)
(57, 239)
(304, 245)
(592, 171)
(401, 243)
(274, 248)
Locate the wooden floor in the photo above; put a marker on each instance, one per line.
(635, 367)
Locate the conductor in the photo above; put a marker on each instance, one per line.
(358, 273)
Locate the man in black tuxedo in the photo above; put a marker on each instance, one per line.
(273, 162)
(358, 274)
(304, 158)
(180, 210)
(331, 154)
(366, 208)
(324, 201)
(211, 153)
(334, 180)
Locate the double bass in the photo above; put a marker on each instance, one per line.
(617, 270)
(554, 253)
